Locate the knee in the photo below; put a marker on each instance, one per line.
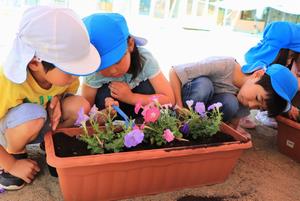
(230, 107)
(71, 105)
(200, 89)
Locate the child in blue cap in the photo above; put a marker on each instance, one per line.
(37, 81)
(220, 79)
(280, 45)
(128, 72)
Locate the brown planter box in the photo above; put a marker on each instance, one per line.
(288, 137)
(129, 174)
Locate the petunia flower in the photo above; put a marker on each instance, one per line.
(81, 118)
(189, 103)
(168, 135)
(137, 107)
(185, 129)
(93, 112)
(215, 106)
(151, 114)
(200, 108)
(133, 138)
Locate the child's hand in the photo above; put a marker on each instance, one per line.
(120, 91)
(25, 169)
(54, 112)
(110, 101)
(293, 113)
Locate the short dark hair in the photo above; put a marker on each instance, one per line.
(135, 63)
(283, 56)
(275, 103)
(48, 66)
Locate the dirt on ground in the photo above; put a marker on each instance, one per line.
(261, 174)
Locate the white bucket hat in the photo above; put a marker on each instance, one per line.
(54, 35)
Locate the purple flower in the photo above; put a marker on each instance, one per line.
(2, 190)
(185, 129)
(133, 138)
(81, 118)
(200, 108)
(93, 112)
(215, 106)
(189, 103)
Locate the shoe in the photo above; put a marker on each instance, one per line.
(246, 122)
(10, 182)
(42, 145)
(262, 116)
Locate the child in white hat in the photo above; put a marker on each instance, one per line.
(51, 48)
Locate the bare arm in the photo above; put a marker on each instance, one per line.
(25, 169)
(176, 86)
(122, 92)
(6, 160)
(89, 94)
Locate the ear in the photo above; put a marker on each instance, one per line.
(34, 65)
(258, 73)
(131, 44)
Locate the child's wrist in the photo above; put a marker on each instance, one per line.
(10, 162)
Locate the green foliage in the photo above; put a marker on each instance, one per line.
(204, 125)
(104, 139)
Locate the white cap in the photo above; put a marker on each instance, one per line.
(54, 35)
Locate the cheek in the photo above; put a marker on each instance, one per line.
(60, 79)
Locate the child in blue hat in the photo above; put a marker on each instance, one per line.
(220, 79)
(280, 45)
(128, 72)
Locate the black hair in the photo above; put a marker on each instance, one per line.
(48, 66)
(283, 56)
(136, 62)
(275, 103)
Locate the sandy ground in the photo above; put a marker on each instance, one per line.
(262, 173)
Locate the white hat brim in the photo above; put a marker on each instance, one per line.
(84, 66)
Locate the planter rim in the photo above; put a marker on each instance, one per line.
(288, 122)
(101, 159)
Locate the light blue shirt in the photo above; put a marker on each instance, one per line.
(150, 69)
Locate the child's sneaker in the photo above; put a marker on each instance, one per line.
(262, 116)
(10, 182)
(246, 122)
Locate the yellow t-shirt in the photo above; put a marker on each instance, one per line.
(12, 94)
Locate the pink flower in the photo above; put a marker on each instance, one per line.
(168, 105)
(154, 98)
(137, 107)
(168, 135)
(151, 114)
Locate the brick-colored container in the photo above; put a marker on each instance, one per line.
(130, 174)
(288, 137)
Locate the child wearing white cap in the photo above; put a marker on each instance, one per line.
(51, 48)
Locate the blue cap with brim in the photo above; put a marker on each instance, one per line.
(109, 33)
(284, 83)
(276, 36)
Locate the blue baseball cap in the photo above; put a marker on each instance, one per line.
(109, 33)
(277, 35)
(284, 83)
